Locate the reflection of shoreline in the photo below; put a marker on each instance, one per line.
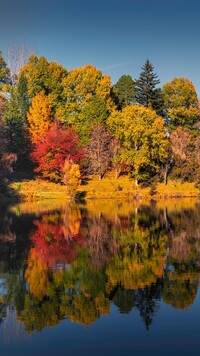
(82, 258)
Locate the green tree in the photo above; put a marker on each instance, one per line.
(4, 71)
(124, 91)
(143, 139)
(87, 96)
(180, 103)
(23, 97)
(146, 92)
(15, 127)
(94, 112)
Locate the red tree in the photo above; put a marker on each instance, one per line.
(52, 150)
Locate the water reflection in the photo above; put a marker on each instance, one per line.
(74, 262)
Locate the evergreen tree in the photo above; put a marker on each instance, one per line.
(124, 91)
(4, 71)
(23, 97)
(146, 92)
(16, 129)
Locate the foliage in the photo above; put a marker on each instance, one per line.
(39, 117)
(185, 148)
(15, 127)
(71, 178)
(4, 71)
(44, 76)
(180, 103)
(124, 91)
(86, 88)
(94, 112)
(143, 138)
(146, 92)
(51, 152)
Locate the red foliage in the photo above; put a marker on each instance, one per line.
(51, 152)
(51, 246)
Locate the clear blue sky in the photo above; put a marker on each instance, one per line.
(117, 36)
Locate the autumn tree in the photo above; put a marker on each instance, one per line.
(98, 151)
(38, 117)
(185, 150)
(143, 138)
(51, 152)
(124, 91)
(180, 103)
(72, 177)
(87, 95)
(147, 93)
(45, 76)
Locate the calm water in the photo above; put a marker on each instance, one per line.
(107, 278)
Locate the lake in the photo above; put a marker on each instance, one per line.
(104, 278)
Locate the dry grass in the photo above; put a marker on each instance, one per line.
(107, 188)
(39, 189)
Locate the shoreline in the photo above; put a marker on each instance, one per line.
(107, 188)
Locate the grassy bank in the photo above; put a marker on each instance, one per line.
(107, 188)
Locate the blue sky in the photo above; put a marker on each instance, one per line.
(117, 36)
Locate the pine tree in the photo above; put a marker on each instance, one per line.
(16, 129)
(146, 92)
(4, 71)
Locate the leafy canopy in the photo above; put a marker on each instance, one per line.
(180, 103)
(143, 138)
(50, 153)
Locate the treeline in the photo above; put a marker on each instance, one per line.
(71, 124)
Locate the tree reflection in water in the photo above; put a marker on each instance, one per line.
(74, 262)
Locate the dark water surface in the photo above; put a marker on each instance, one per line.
(107, 278)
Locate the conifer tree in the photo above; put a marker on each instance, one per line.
(4, 71)
(15, 126)
(146, 92)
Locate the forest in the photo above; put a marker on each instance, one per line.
(69, 126)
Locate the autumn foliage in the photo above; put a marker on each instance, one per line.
(51, 152)
(39, 117)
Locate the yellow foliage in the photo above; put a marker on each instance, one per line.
(37, 276)
(72, 177)
(39, 117)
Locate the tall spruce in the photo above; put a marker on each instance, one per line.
(4, 71)
(147, 94)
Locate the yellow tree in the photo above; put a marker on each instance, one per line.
(42, 75)
(180, 103)
(87, 96)
(72, 177)
(39, 117)
(143, 139)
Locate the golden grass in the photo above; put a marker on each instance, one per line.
(39, 189)
(107, 188)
